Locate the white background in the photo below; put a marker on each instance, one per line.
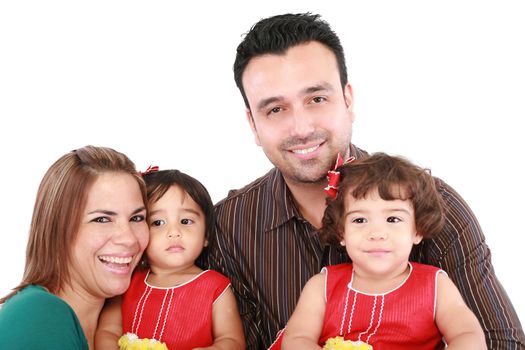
(442, 83)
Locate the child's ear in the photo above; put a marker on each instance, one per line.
(341, 234)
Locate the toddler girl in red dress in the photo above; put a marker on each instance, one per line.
(171, 300)
(380, 207)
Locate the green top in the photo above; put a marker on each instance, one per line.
(37, 319)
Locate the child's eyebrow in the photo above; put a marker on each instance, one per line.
(397, 209)
(192, 211)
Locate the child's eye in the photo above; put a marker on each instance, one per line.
(393, 219)
(158, 222)
(137, 218)
(359, 220)
(187, 221)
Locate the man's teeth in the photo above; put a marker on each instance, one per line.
(116, 259)
(306, 150)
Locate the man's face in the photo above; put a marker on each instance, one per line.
(299, 113)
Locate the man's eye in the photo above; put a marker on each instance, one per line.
(318, 99)
(275, 110)
(186, 221)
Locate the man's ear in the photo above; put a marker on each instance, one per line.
(349, 100)
(249, 117)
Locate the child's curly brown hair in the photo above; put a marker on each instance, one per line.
(394, 178)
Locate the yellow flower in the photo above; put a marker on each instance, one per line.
(339, 343)
(130, 341)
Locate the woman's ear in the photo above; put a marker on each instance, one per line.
(205, 242)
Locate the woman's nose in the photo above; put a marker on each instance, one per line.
(126, 234)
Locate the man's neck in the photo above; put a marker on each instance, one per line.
(310, 200)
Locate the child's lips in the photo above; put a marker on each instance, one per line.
(378, 252)
(175, 248)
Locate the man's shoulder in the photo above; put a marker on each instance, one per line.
(263, 184)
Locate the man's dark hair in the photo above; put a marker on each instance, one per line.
(275, 35)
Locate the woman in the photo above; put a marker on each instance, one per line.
(88, 232)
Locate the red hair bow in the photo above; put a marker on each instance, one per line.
(149, 170)
(334, 176)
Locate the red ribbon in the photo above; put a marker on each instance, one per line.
(149, 170)
(334, 176)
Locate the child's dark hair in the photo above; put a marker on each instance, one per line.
(159, 182)
(394, 178)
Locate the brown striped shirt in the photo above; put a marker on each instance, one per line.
(269, 252)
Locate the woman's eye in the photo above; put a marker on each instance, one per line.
(137, 218)
(186, 221)
(158, 222)
(101, 219)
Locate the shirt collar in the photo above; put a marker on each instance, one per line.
(284, 206)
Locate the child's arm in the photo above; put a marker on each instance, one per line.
(455, 320)
(109, 327)
(227, 326)
(306, 323)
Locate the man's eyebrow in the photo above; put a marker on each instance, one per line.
(318, 87)
(266, 101)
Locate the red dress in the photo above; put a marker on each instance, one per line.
(180, 316)
(403, 318)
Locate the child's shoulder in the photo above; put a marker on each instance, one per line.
(215, 276)
(344, 267)
(425, 268)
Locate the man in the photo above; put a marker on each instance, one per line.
(292, 75)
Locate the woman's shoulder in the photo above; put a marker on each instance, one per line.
(35, 316)
(33, 299)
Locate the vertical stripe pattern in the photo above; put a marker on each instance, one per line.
(269, 252)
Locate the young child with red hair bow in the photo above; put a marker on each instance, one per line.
(379, 208)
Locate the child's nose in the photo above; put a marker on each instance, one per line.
(172, 233)
(377, 234)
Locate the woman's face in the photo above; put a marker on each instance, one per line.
(111, 237)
